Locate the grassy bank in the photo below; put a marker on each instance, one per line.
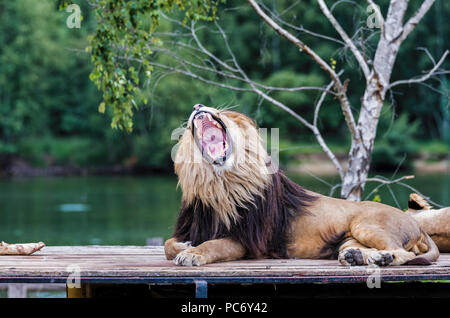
(88, 154)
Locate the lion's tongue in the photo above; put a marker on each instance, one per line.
(215, 150)
(213, 142)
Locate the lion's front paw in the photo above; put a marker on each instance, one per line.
(351, 256)
(189, 258)
(181, 246)
(172, 248)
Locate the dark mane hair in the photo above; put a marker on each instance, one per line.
(413, 205)
(262, 228)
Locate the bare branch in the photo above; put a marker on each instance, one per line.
(258, 91)
(298, 43)
(300, 28)
(397, 181)
(424, 77)
(328, 151)
(354, 3)
(218, 72)
(320, 101)
(232, 75)
(318, 135)
(200, 50)
(346, 38)
(313, 128)
(421, 194)
(333, 188)
(415, 19)
(427, 52)
(340, 88)
(196, 76)
(386, 181)
(215, 58)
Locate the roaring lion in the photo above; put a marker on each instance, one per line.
(234, 206)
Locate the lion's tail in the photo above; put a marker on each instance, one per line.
(417, 202)
(430, 256)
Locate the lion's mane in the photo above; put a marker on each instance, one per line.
(243, 202)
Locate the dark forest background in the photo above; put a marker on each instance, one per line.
(49, 106)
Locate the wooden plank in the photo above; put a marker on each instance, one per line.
(146, 262)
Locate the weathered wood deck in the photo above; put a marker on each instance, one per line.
(147, 265)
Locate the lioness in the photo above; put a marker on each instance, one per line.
(435, 222)
(235, 206)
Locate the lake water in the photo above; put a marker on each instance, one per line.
(128, 210)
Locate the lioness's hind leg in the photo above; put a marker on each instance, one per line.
(384, 246)
(354, 253)
(361, 256)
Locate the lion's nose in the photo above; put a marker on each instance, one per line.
(197, 106)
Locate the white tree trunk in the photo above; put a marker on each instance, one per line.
(372, 101)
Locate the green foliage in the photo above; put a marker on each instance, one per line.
(376, 195)
(120, 46)
(377, 198)
(50, 151)
(43, 81)
(434, 148)
(394, 148)
(46, 96)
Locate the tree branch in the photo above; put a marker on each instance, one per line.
(415, 19)
(398, 182)
(319, 137)
(215, 58)
(320, 101)
(340, 88)
(424, 77)
(385, 181)
(313, 127)
(300, 28)
(346, 38)
(236, 77)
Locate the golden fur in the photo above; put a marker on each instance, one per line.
(436, 222)
(241, 201)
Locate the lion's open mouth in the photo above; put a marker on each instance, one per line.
(211, 137)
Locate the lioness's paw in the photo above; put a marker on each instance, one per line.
(351, 256)
(189, 258)
(380, 258)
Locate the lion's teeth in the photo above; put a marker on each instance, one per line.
(209, 117)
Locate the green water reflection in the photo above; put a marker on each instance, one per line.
(127, 210)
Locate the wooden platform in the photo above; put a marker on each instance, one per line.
(147, 265)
